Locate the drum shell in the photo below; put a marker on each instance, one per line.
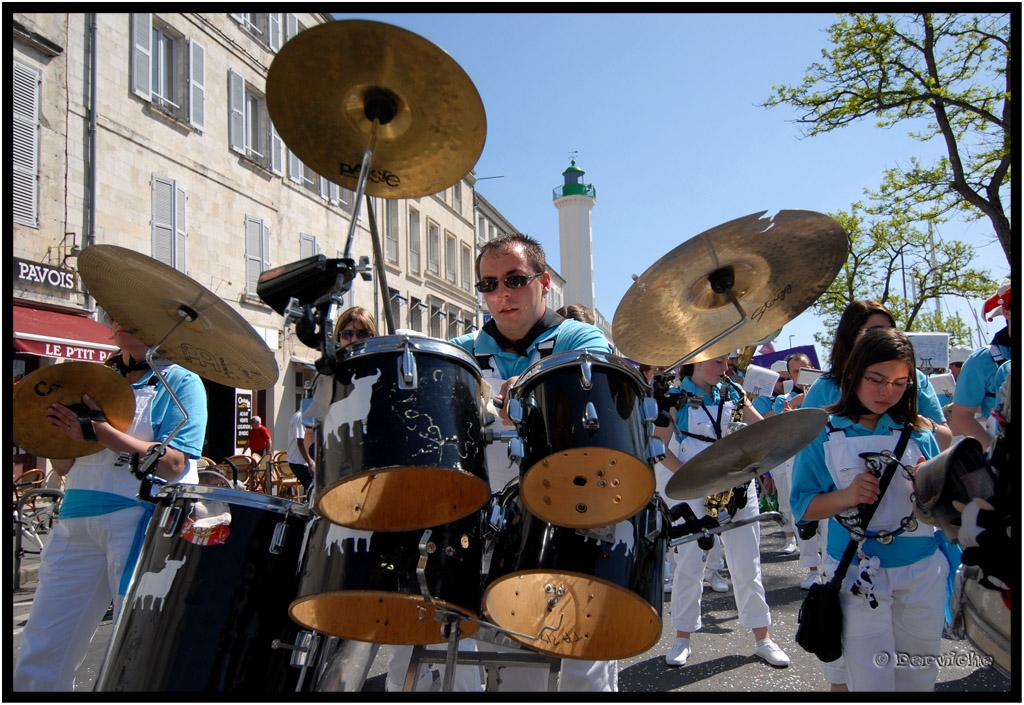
(363, 585)
(577, 474)
(628, 572)
(392, 458)
(223, 607)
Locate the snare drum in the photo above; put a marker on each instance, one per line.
(210, 596)
(402, 445)
(586, 450)
(585, 593)
(365, 586)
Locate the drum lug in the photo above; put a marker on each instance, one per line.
(655, 450)
(516, 449)
(590, 421)
(277, 542)
(586, 374)
(426, 547)
(650, 409)
(515, 410)
(408, 377)
(169, 520)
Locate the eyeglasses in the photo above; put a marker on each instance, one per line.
(350, 334)
(513, 281)
(865, 330)
(900, 385)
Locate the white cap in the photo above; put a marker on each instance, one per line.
(959, 353)
(780, 366)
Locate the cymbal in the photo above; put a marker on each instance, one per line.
(780, 266)
(753, 450)
(324, 82)
(65, 384)
(193, 326)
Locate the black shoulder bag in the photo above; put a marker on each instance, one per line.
(820, 621)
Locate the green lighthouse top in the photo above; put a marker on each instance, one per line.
(574, 185)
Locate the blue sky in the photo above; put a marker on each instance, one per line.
(662, 111)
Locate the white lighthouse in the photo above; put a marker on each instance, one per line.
(574, 201)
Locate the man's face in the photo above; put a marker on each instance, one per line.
(515, 311)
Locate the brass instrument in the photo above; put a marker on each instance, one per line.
(717, 502)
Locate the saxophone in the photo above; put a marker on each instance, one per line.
(717, 502)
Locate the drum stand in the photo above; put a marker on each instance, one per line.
(705, 528)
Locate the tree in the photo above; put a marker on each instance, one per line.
(894, 263)
(949, 72)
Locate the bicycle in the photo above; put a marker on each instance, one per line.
(36, 511)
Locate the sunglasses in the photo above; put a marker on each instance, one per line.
(350, 334)
(513, 281)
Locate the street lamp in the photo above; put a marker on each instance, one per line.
(791, 340)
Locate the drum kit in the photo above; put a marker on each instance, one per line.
(401, 541)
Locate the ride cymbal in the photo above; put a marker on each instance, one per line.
(326, 86)
(778, 267)
(754, 450)
(193, 326)
(65, 384)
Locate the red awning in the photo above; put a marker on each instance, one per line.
(53, 334)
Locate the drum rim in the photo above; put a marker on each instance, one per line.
(396, 343)
(228, 495)
(563, 358)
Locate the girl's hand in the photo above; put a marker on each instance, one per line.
(863, 490)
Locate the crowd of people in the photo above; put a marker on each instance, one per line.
(872, 391)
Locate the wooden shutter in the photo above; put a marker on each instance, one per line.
(196, 85)
(142, 52)
(25, 145)
(236, 111)
(163, 220)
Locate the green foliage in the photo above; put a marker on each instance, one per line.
(947, 76)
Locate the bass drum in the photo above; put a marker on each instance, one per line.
(584, 593)
(401, 446)
(583, 422)
(209, 597)
(365, 586)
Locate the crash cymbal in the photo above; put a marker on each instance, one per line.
(780, 266)
(149, 299)
(751, 451)
(326, 85)
(65, 384)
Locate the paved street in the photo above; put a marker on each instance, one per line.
(722, 659)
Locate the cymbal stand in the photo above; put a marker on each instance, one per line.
(722, 281)
(707, 532)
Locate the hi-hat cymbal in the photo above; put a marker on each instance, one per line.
(751, 451)
(65, 384)
(149, 299)
(326, 85)
(780, 266)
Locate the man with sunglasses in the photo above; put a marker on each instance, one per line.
(513, 278)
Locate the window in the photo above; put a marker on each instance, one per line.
(416, 309)
(433, 249)
(436, 318)
(457, 197)
(249, 130)
(329, 190)
(168, 224)
(395, 300)
(414, 241)
(25, 145)
(451, 257)
(308, 246)
(467, 267)
(391, 230)
(453, 323)
(168, 71)
(302, 174)
(257, 252)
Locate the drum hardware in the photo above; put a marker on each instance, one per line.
(407, 372)
(590, 420)
(749, 452)
(425, 548)
(65, 384)
(745, 267)
(169, 311)
(706, 532)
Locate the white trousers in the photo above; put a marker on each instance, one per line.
(809, 557)
(79, 572)
(577, 675)
(884, 647)
(743, 554)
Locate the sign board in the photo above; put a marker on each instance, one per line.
(243, 417)
(931, 349)
(759, 381)
(944, 384)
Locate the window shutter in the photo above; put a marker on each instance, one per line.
(197, 85)
(142, 51)
(294, 167)
(307, 245)
(332, 192)
(236, 105)
(276, 152)
(253, 253)
(291, 26)
(25, 146)
(163, 220)
(180, 230)
(274, 22)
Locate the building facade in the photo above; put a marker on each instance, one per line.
(150, 131)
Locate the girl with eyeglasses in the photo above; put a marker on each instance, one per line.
(354, 324)
(893, 596)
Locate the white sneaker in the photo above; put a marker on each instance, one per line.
(790, 547)
(679, 652)
(771, 653)
(717, 582)
(811, 579)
